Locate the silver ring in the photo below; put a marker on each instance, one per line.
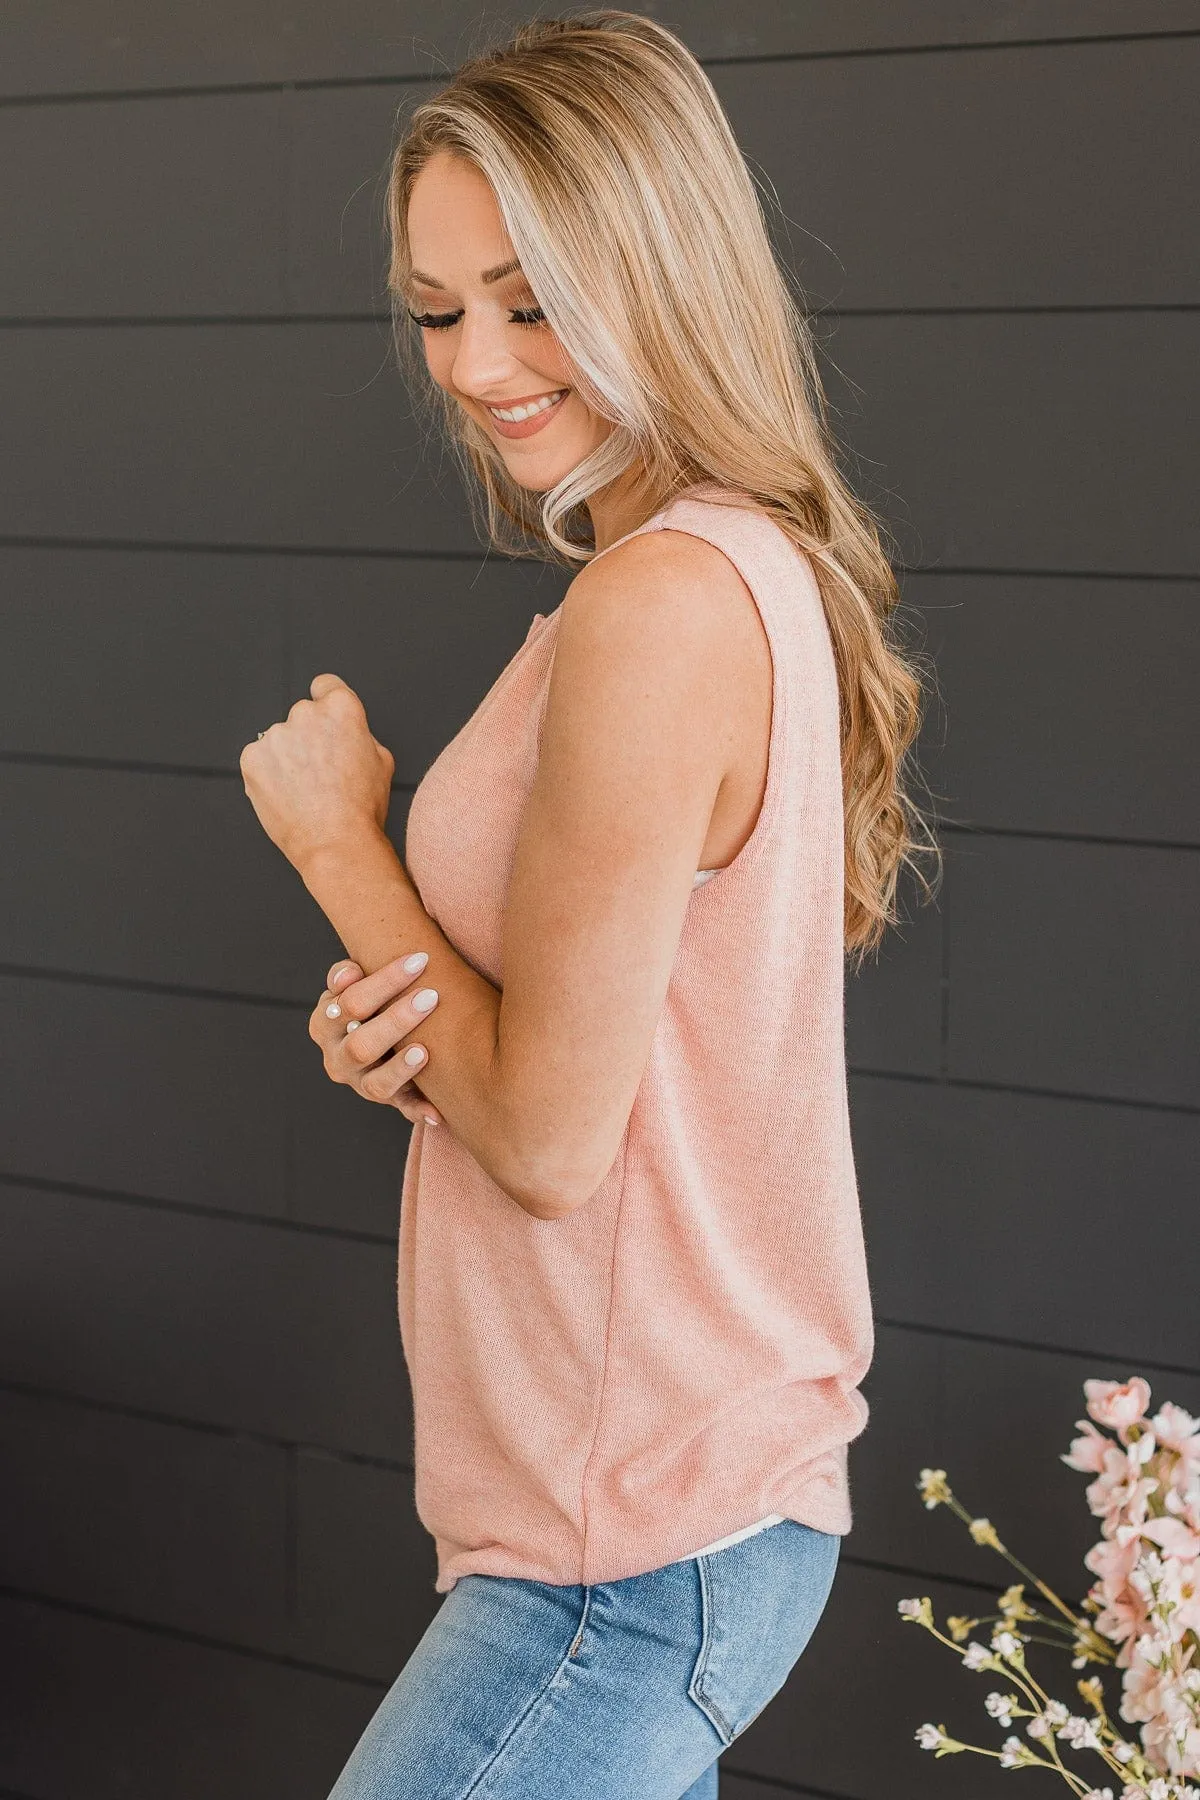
(262, 734)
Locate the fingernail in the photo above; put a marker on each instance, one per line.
(342, 975)
(414, 964)
(425, 1000)
(430, 1120)
(333, 1010)
(414, 1056)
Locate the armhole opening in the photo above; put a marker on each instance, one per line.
(769, 805)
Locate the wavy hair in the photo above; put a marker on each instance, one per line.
(641, 232)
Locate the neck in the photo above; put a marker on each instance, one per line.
(621, 507)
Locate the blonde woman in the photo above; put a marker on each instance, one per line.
(608, 986)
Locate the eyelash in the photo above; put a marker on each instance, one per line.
(526, 315)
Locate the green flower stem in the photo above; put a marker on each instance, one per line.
(1039, 1700)
(1035, 1762)
(956, 1506)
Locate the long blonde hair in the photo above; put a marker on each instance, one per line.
(641, 233)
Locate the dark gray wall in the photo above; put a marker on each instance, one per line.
(213, 488)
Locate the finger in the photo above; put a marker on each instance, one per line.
(385, 1080)
(342, 972)
(382, 1033)
(415, 1107)
(320, 685)
(363, 999)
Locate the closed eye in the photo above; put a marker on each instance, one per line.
(529, 315)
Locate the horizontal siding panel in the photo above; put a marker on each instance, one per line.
(1075, 967)
(734, 1787)
(149, 1094)
(275, 435)
(341, 145)
(105, 1710)
(288, 1334)
(144, 1519)
(301, 435)
(146, 206)
(150, 857)
(980, 180)
(421, 641)
(62, 48)
(1026, 168)
(1066, 705)
(979, 1208)
(946, 1402)
(180, 659)
(193, 1530)
(1022, 441)
(894, 1001)
(151, 657)
(365, 1566)
(228, 1104)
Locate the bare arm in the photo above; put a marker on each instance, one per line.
(649, 675)
(366, 893)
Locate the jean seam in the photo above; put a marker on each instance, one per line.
(583, 1619)
(696, 1686)
(534, 1701)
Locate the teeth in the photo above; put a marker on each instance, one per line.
(514, 414)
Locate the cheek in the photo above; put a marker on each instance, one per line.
(556, 362)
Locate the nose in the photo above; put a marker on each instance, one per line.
(483, 358)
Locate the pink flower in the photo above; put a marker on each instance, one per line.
(1087, 1452)
(1142, 1695)
(1117, 1403)
(1173, 1536)
(1119, 1495)
(1177, 1429)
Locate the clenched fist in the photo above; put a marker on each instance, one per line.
(318, 777)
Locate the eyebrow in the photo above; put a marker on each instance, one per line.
(489, 275)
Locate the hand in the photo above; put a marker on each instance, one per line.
(318, 777)
(368, 1024)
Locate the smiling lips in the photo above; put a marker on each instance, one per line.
(523, 418)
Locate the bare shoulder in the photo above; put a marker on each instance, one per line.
(665, 589)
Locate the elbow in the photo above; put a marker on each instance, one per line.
(550, 1191)
(544, 1206)
(547, 1163)
(543, 1197)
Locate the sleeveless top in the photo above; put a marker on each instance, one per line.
(598, 1395)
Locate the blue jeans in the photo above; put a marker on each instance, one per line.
(626, 1690)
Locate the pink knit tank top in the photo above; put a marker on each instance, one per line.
(598, 1395)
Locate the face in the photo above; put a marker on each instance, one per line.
(486, 342)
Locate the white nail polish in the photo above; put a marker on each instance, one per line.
(414, 964)
(333, 1010)
(414, 1056)
(425, 1000)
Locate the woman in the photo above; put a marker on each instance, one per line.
(632, 1290)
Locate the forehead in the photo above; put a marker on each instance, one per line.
(455, 229)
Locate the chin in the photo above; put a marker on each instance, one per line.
(539, 479)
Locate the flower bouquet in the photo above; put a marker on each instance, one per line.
(1141, 1615)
